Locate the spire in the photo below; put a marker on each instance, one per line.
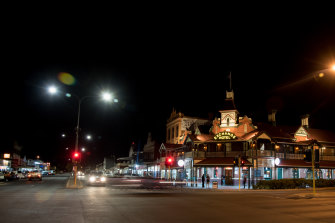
(230, 93)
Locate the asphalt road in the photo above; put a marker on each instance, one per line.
(127, 200)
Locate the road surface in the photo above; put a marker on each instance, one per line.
(127, 200)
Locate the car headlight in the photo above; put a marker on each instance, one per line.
(92, 179)
(103, 179)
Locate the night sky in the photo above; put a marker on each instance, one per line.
(152, 66)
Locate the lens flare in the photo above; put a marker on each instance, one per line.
(66, 78)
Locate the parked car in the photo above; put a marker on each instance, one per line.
(2, 176)
(21, 175)
(34, 175)
(10, 176)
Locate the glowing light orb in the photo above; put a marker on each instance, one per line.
(66, 78)
(181, 163)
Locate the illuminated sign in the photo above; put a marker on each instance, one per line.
(224, 135)
(180, 163)
(6, 155)
(301, 132)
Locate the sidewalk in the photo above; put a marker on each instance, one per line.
(219, 186)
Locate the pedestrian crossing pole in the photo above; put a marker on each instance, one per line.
(239, 173)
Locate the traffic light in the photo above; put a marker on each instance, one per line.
(308, 155)
(242, 162)
(235, 161)
(76, 156)
(169, 161)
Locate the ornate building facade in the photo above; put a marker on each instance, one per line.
(268, 150)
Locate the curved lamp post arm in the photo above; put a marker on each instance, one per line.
(80, 100)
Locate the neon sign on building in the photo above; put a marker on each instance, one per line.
(224, 136)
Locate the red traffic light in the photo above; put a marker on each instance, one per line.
(76, 155)
(169, 161)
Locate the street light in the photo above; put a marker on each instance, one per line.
(106, 96)
(321, 73)
(316, 75)
(52, 90)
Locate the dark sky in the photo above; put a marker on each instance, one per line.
(153, 65)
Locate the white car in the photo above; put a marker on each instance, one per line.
(21, 175)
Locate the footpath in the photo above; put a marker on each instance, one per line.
(306, 193)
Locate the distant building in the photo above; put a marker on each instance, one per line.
(178, 125)
(129, 165)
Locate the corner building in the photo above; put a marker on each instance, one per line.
(267, 150)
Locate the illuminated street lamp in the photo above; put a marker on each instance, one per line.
(52, 90)
(322, 72)
(106, 96)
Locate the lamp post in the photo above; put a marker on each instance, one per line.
(106, 96)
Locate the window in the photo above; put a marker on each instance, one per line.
(227, 121)
(177, 131)
(267, 173)
(172, 135)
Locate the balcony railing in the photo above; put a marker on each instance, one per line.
(259, 153)
(195, 154)
(215, 154)
(330, 158)
(234, 153)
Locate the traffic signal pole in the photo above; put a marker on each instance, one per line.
(313, 164)
(169, 173)
(239, 173)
